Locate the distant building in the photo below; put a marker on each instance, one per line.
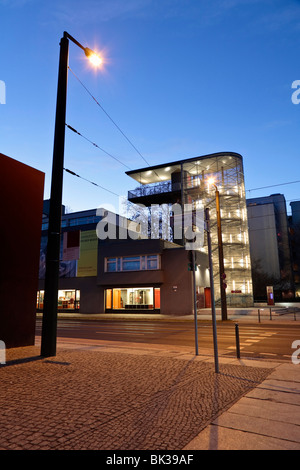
(294, 222)
(270, 245)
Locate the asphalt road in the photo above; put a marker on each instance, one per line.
(271, 341)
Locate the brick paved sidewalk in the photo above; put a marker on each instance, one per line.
(94, 399)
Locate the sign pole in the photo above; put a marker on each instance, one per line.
(195, 300)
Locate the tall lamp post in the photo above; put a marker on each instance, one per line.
(212, 292)
(49, 326)
(221, 255)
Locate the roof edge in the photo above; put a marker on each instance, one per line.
(161, 165)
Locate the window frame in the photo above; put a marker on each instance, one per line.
(143, 260)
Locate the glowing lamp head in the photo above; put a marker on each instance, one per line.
(93, 57)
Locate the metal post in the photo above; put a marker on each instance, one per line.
(270, 313)
(212, 293)
(237, 339)
(195, 300)
(49, 327)
(221, 258)
(259, 315)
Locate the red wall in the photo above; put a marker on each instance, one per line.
(21, 207)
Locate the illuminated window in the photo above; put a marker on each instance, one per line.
(68, 299)
(132, 298)
(132, 263)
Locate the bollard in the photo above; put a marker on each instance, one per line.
(259, 315)
(237, 339)
(270, 313)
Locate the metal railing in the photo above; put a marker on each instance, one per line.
(156, 188)
(279, 311)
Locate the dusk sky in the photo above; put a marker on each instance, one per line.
(182, 78)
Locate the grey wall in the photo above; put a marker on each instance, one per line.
(263, 238)
(176, 292)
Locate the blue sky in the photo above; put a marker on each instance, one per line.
(182, 78)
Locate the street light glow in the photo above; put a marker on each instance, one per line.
(94, 58)
(211, 182)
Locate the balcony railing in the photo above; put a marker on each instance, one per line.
(156, 188)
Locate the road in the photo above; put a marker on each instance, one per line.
(271, 341)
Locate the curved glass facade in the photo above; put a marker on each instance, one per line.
(201, 178)
(194, 182)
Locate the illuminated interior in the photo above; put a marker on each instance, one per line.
(68, 299)
(132, 298)
(190, 182)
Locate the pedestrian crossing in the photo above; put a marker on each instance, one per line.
(257, 345)
(254, 340)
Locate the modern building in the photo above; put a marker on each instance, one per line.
(294, 225)
(192, 183)
(75, 275)
(103, 269)
(270, 245)
(150, 276)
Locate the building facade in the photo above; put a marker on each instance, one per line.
(192, 183)
(114, 275)
(149, 276)
(294, 225)
(78, 260)
(270, 245)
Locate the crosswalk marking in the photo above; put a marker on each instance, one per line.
(253, 339)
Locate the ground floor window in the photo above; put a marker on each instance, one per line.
(68, 299)
(132, 298)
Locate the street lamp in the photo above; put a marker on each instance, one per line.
(212, 291)
(221, 256)
(49, 326)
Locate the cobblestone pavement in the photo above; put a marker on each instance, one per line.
(101, 400)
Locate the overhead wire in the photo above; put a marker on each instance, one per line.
(95, 184)
(114, 123)
(109, 117)
(133, 146)
(118, 195)
(272, 186)
(97, 146)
